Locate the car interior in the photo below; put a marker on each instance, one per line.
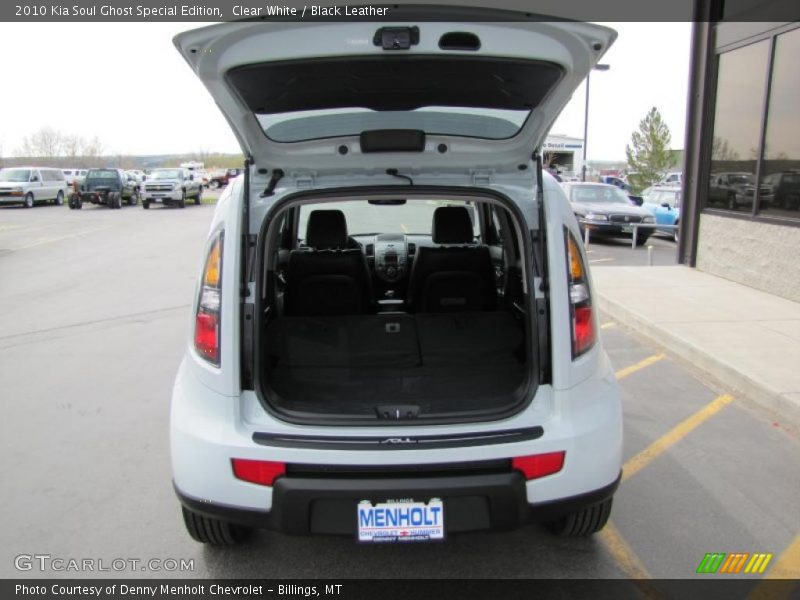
(395, 309)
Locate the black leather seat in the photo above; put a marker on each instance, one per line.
(329, 278)
(455, 276)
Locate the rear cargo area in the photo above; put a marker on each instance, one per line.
(421, 365)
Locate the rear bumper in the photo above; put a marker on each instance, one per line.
(304, 506)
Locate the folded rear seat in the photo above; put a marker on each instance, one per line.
(477, 338)
(344, 341)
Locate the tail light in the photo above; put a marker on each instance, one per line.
(207, 319)
(538, 465)
(262, 472)
(580, 299)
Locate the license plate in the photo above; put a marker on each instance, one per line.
(627, 229)
(394, 521)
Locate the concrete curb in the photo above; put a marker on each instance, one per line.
(727, 376)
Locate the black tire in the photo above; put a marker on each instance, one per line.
(731, 201)
(134, 199)
(118, 201)
(583, 522)
(145, 204)
(214, 532)
(59, 201)
(71, 201)
(642, 237)
(199, 198)
(675, 232)
(182, 202)
(79, 203)
(28, 202)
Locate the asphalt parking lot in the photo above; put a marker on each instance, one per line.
(93, 321)
(614, 252)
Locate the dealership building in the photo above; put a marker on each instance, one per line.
(741, 208)
(563, 154)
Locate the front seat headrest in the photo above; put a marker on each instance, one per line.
(452, 225)
(326, 229)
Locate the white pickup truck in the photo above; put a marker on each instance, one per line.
(171, 186)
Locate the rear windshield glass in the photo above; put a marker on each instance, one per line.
(492, 124)
(473, 96)
(598, 193)
(363, 218)
(102, 174)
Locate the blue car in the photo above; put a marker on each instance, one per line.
(664, 201)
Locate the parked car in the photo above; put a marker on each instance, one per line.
(221, 178)
(672, 178)
(605, 210)
(367, 358)
(617, 182)
(108, 187)
(29, 185)
(171, 187)
(74, 176)
(664, 201)
(138, 175)
(785, 189)
(736, 190)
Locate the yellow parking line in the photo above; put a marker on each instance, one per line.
(622, 373)
(623, 555)
(608, 325)
(788, 564)
(51, 240)
(677, 433)
(787, 570)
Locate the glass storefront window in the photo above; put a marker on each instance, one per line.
(738, 112)
(780, 166)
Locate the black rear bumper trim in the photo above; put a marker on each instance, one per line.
(303, 506)
(398, 442)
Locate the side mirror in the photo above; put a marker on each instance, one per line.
(666, 205)
(191, 177)
(34, 178)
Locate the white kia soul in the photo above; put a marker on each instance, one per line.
(394, 335)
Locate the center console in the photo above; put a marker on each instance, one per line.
(391, 257)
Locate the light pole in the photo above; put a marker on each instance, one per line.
(601, 67)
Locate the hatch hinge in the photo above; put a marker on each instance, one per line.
(482, 177)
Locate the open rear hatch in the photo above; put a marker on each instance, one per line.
(477, 94)
(445, 93)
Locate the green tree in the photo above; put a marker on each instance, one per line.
(648, 154)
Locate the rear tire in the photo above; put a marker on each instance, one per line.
(145, 204)
(134, 199)
(214, 532)
(59, 201)
(641, 238)
(199, 198)
(675, 232)
(583, 522)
